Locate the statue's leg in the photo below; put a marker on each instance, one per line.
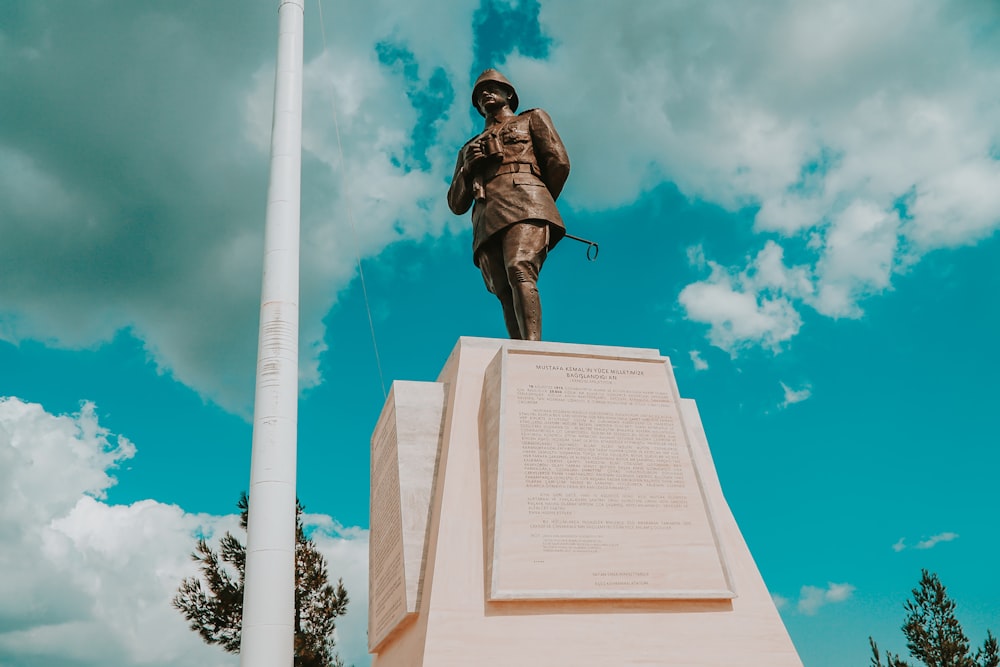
(524, 252)
(490, 261)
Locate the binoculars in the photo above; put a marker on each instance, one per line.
(492, 147)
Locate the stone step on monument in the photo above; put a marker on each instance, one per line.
(549, 504)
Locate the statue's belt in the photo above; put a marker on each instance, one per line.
(514, 167)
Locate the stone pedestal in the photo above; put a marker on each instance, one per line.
(547, 504)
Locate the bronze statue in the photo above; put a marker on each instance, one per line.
(511, 175)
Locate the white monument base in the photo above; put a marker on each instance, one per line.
(549, 505)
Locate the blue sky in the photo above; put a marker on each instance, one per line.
(796, 202)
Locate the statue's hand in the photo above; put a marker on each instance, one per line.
(472, 155)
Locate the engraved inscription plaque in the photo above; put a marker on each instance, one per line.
(405, 447)
(386, 581)
(596, 491)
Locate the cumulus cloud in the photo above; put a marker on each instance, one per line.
(89, 583)
(863, 138)
(812, 598)
(793, 396)
(696, 360)
(142, 208)
(750, 307)
(346, 552)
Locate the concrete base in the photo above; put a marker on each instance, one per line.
(438, 602)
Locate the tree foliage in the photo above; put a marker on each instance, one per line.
(213, 602)
(933, 633)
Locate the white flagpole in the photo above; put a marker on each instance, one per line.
(269, 596)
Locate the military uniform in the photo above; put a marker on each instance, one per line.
(511, 175)
(522, 186)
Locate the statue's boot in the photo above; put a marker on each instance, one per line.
(528, 307)
(510, 317)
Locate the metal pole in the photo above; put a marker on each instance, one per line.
(269, 596)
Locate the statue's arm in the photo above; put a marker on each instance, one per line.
(460, 192)
(549, 151)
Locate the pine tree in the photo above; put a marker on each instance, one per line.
(933, 634)
(213, 603)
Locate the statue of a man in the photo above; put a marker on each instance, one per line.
(511, 175)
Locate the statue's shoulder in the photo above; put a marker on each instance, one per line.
(536, 117)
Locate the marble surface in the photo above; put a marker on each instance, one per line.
(405, 447)
(456, 622)
(591, 486)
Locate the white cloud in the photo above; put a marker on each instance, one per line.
(90, 583)
(751, 307)
(812, 598)
(780, 601)
(376, 197)
(346, 552)
(928, 543)
(49, 462)
(158, 208)
(79, 579)
(867, 136)
(370, 192)
(826, 115)
(699, 363)
(839, 592)
(793, 396)
(857, 258)
(934, 540)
